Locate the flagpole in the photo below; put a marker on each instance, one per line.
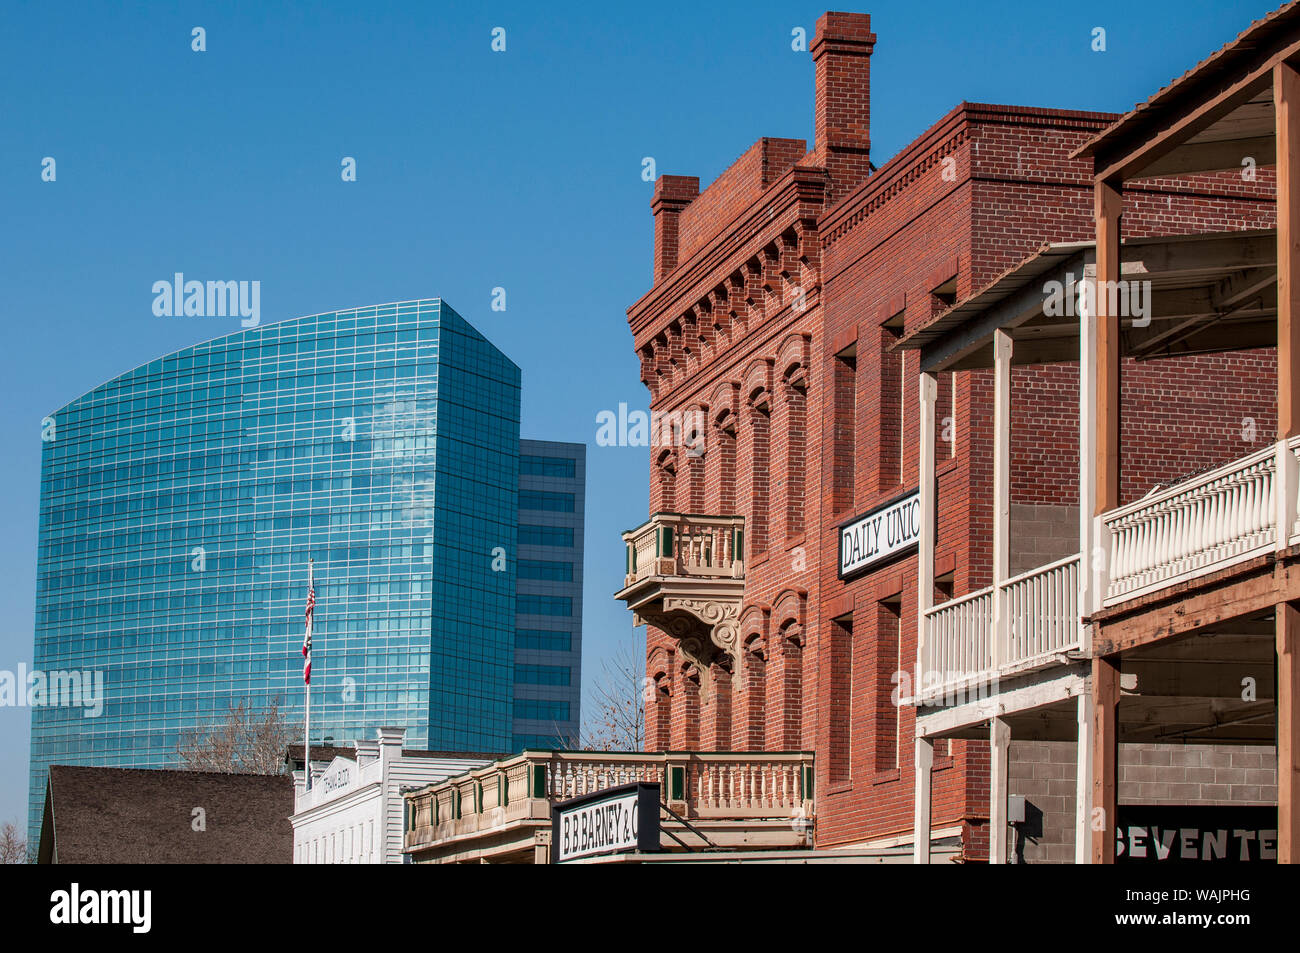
(306, 729)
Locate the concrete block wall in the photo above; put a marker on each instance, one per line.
(1044, 773)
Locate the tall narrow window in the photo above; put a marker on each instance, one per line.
(723, 453)
(840, 715)
(888, 661)
(666, 471)
(945, 412)
(945, 431)
(845, 397)
(893, 421)
(760, 431)
(796, 417)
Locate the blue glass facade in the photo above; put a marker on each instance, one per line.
(548, 639)
(181, 501)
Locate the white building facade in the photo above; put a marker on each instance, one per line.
(353, 812)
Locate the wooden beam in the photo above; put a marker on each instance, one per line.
(1109, 206)
(1286, 106)
(1217, 156)
(1105, 755)
(1178, 612)
(1208, 107)
(1288, 733)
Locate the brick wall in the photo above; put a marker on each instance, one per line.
(793, 281)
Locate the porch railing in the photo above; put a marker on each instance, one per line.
(1201, 525)
(965, 647)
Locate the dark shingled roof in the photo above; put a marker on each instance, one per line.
(145, 816)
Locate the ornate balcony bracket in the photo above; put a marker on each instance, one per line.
(705, 631)
(686, 577)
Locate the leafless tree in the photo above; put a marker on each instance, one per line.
(247, 742)
(13, 845)
(616, 705)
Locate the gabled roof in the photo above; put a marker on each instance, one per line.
(149, 816)
(1230, 89)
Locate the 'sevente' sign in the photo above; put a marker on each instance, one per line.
(885, 532)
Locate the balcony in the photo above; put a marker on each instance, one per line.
(966, 647)
(686, 576)
(1202, 525)
(729, 800)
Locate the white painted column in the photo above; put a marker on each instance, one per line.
(1000, 642)
(1083, 779)
(921, 816)
(999, 748)
(1285, 477)
(924, 751)
(929, 529)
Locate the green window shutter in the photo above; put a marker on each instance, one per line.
(677, 782)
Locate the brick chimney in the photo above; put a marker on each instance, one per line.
(672, 194)
(841, 54)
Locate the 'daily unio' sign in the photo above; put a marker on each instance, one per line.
(885, 532)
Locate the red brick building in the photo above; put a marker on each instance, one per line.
(779, 293)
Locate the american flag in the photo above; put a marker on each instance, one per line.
(306, 642)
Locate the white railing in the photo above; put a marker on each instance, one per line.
(963, 648)
(958, 644)
(1042, 608)
(1204, 524)
(679, 544)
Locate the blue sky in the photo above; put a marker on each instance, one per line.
(475, 170)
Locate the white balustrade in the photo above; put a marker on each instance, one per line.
(1042, 609)
(958, 643)
(1198, 526)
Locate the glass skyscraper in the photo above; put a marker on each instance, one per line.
(181, 501)
(548, 641)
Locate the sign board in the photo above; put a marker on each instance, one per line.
(1160, 833)
(884, 533)
(607, 822)
(337, 775)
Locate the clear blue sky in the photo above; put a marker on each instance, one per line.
(475, 169)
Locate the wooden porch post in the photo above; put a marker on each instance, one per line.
(1001, 493)
(999, 750)
(924, 752)
(1286, 103)
(1288, 733)
(921, 815)
(929, 531)
(1109, 204)
(1083, 779)
(1286, 111)
(1105, 703)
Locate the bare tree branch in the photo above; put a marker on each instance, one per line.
(13, 845)
(247, 742)
(615, 708)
